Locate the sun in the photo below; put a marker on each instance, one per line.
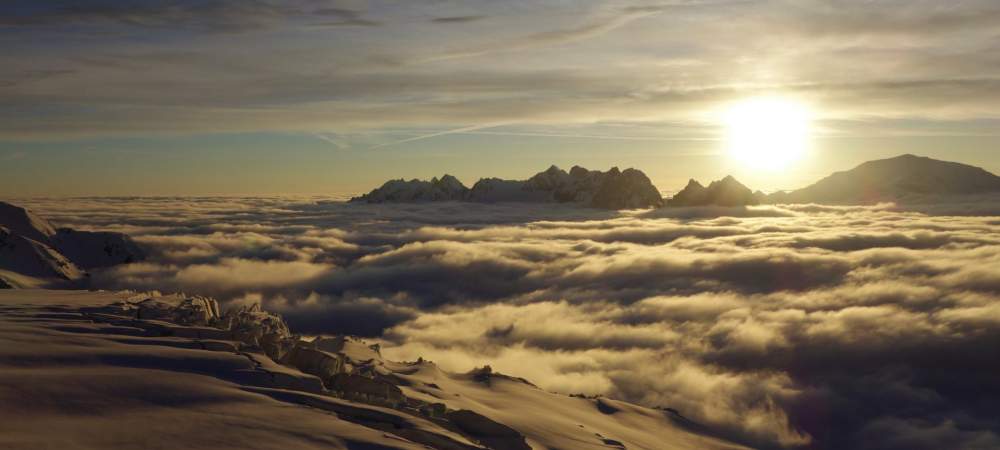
(767, 133)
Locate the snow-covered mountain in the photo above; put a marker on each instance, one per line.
(724, 192)
(96, 249)
(899, 178)
(22, 222)
(22, 255)
(614, 189)
(122, 370)
(32, 250)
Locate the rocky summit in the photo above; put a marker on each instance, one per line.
(901, 178)
(402, 191)
(724, 192)
(613, 189)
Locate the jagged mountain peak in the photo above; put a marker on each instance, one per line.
(725, 192)
(415, 190)
(693, 183)
(577, 171)
(614, 189)
(885, 179)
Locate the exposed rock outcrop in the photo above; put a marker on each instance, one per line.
(306, 357)
(346, 366)
(629, 189)
(190, 311)
(260, 329)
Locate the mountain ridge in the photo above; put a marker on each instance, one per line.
(612, 189)
(895, 178)
(30, 246)
(725, 192)
(891, 179)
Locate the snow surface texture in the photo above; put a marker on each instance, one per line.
(97, 370)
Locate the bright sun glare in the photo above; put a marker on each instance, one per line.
(767, 133)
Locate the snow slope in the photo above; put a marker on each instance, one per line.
(22, 222)
(550, 420)
(33, 259)
(99, 370)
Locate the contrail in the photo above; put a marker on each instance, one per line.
(323, 137)
(442, 133)
(543, 38)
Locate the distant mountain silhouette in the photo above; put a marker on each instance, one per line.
(724, 192)
(31, 247)
(447, 188)
(614, 189)
(894, 179)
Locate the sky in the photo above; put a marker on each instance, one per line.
(236, 97)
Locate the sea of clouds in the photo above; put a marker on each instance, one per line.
(827, 326)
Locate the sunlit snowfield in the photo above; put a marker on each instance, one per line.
(853, 326)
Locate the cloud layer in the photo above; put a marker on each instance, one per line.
(828, 327)
(183, 66)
